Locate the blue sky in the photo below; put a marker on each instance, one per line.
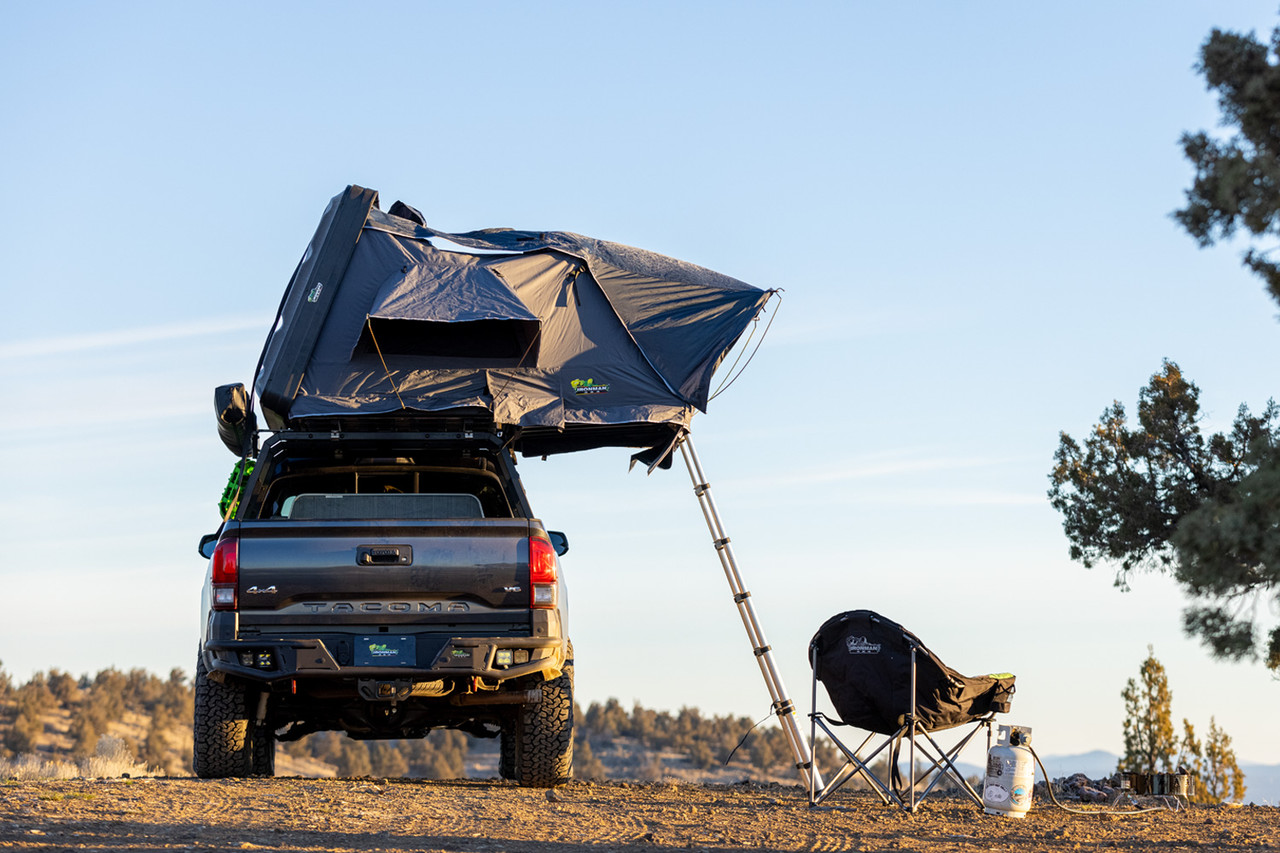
(966, 204)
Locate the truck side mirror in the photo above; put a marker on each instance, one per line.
(208, 542)
(559, 541)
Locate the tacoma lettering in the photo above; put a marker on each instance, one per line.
(390, 607)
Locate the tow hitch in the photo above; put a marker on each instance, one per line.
(373, 690)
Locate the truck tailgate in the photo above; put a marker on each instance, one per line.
(375, 572)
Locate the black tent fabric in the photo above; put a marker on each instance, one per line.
(568, 341)
(864, 662)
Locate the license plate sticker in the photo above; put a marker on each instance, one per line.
(384, 650)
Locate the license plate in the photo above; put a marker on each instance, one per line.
(386, 651)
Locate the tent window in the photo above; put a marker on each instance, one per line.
(506, 342)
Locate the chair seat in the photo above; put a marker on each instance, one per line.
(882, 679)
(864, 661)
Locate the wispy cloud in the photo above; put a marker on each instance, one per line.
(954, 497)
(67, 424)
(900, 477)
(806, 327)
(888, 464)
(127, 337)
(120, 379)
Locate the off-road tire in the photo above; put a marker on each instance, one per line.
(507, 752)
(221, 743)
(542, 742)
(263, 749)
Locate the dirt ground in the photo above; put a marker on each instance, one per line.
(412, 815)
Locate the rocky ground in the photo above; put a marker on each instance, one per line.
(299, 814)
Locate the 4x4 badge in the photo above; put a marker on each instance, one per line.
(256, 590)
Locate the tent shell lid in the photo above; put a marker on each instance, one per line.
(626, 366)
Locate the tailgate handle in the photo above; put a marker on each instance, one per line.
(384, 555)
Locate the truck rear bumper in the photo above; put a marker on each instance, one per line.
(270, 660)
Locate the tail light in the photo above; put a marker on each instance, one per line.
(542, 573)
(226, 574)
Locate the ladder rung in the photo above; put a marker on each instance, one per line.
(782, 706)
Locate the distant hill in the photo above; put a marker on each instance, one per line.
(1096, 764)
(1262, 784)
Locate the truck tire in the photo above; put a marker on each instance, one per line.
(263, 749)
(507, 738)
(542, 752)
(221, 743)
(507, 752)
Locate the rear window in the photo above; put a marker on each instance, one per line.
(403, 492)
(326, 507)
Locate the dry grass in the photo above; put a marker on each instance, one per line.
(111, 759)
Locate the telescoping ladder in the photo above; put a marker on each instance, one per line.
(782, 705)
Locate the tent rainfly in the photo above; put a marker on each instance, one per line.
(568, 342)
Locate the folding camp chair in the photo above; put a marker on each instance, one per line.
(882, 679)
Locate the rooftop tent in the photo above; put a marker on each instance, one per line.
(568, 341)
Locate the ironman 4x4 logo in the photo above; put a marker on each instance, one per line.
(382, 650)
(860, 646)
(589, 386)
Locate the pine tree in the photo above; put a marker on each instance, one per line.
(1222, 780)
(585, 763)
(1166, 495)
(1191, 759)
(1150, 746)
(1149, 743)
(352, 758)
(155, 749)
(386, 759)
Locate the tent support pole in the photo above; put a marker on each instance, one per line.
(782, 704)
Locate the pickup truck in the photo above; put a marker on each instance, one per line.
(383, 584)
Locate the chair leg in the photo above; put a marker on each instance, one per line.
(912, 722)
(855, 765)
(944, 762)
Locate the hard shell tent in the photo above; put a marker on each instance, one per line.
(571, 342)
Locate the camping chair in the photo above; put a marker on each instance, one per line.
(882, 679)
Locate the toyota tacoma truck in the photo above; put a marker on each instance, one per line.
(384, 583)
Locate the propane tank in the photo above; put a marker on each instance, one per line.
(1011, 773)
